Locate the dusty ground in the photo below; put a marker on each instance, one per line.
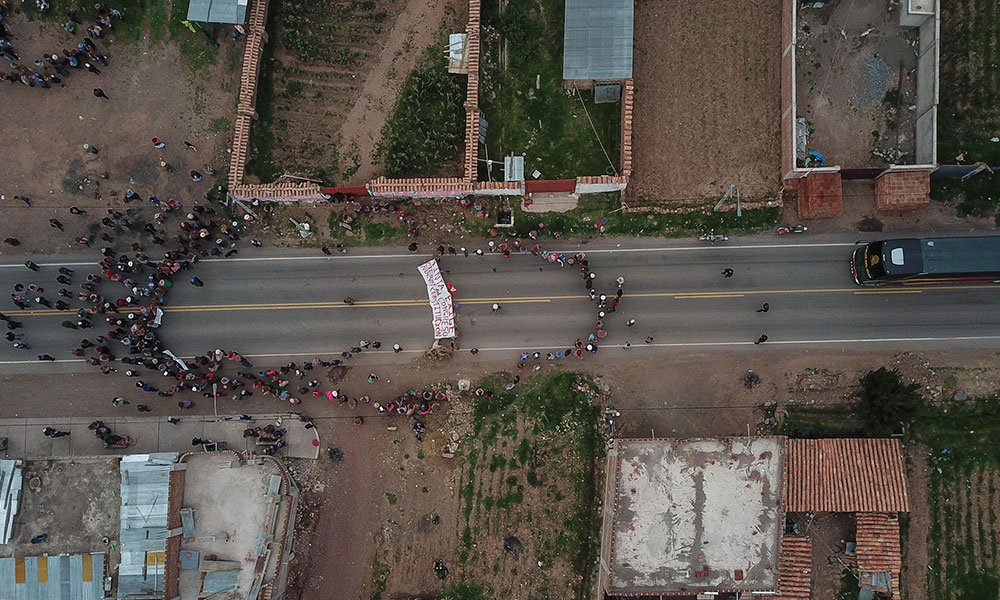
(77, 504)
(329, 112)
(848, 57)
(706, 101)
(699, 395)
(151, 93)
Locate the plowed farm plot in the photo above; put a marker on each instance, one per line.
(332, 78)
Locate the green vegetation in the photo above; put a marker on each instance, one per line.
(549, 425)
(220, 125)
(965, 466)
(464, 591)
(305, 30)
(260, 162)
(885, 402)
(969, 110)
(160, 18)
(427, 129)
(525, 104)
(604, 210)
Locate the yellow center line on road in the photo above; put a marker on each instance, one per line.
(420, 302)
(862, 292)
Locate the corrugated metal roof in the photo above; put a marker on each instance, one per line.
(10, 496)
(597, 39)
(145, 488)
(845, 475)
(794, 568)
(76, 576)
(232, 12)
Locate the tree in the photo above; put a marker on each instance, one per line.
(885, 401)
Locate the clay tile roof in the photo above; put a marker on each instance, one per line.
(794, 568)
(845, 475)
(878, 546)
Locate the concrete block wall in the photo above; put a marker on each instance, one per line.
(899, 189)
(820, 195)
(787, 87)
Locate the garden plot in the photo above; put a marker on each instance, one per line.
(334, 74)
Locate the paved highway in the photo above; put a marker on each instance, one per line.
(277, 303)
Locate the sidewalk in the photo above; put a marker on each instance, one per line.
(152, 434)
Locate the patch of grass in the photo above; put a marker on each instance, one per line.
(561, 132)
(380, 579)
(820, 421)
(497, 462)
(604, 210)
(464, 591)
(220, 125)
(420, 454)
(260, 162)
(426, 130)
(391, 498)
(969, 109)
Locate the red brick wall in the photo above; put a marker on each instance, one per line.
(628, 99)
(471, 163)
(820, 195)
(902, 190)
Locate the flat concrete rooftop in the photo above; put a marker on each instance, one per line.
(696, 514)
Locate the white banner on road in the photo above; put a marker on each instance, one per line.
(441, 302)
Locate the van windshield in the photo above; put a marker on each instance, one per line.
(873, 260)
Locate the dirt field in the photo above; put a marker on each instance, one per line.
(151, 93)
(375, 502)
(706, 101)
(854, 84)
(340, 67)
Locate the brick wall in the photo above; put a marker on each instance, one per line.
(471, 163)
(278, 191)
(902, 190)
(249, 74)
(628, 98)
(820, 195)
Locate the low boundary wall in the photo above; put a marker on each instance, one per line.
(424, 187)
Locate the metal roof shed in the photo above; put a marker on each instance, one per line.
(233, 12)
(597, 39)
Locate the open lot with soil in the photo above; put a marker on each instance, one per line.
(399, 506)
(706, 101)
(856, 77)
(160, 82)
(330, 78)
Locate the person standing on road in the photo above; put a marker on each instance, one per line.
(119, 401)
(56, 224)
(197, 282)
(52, 432)
(397, 348)
(98, 92)
(727, 273)
(764, 307)
(496, 307)
(761, 339)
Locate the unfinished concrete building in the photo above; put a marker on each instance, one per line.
(717, 519)
(859, 101)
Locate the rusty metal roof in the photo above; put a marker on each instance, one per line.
(845, 475)
(794, 568)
